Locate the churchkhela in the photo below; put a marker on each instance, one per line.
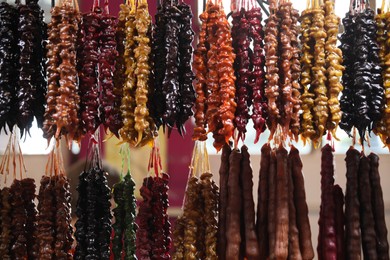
(85, 73)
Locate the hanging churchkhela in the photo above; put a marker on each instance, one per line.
(282, 206)
(93, 226)
(27, 231)
(328, 236)
(124, 227)
(23, 85)
(282, 64)
(382, 128)
(173, 95)
(18, 213)
(138, 126)
(61, 115)
(110, 99)
(365, 224)
(195, 232)
(231, 233)
(362, 102)
(214, 74)
(96, 63)
(321, 71)
(87, 60)
(8, 64)
(54, 212)
(153, 233)
(31, 84)
(249, 69)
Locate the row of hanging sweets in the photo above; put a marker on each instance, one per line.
(215, 223)
(82, 71)
(132, 78)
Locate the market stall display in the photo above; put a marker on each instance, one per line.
(129, 77)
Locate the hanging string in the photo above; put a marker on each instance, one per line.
(192, 165)
(265, 10)
(106, 7)
(5, 158)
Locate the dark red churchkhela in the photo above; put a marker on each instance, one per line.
(109, 110)
(153, 240)
(233, 234)
(327, 245)
(241, 43)
(262, 198)
(382, 244)
(257, 77)
(352, 216)
(367, 223)
(87, 60)
(223, 198)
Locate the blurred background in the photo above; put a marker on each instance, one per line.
(176, 151)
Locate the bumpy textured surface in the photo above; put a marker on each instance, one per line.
(8, 61)
(87, 60)
(93, 227)
(257, 77)
(31, 89)
(362, 102)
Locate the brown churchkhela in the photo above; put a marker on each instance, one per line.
(195, 233)
(303, 223)
(61, 115)
(367, 224)
(339, 220)
(295, 75)
(282, 64)
(293, 238)
(233, 211)
(210, 200)
(283, 227)
(185, 230)
(327, 235)
(251, 244)
(6, 220)
(378, 208)
(352, 217)
(281, 197)
(223, 197)
(272, 70)
(285, 102)
(19, 220)
(272, 205)
(262, 201)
